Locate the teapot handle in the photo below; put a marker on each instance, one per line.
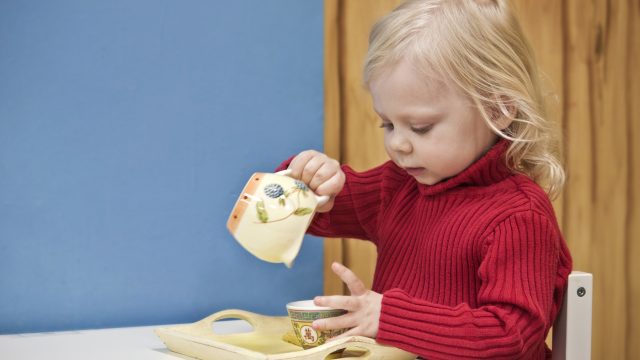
(285, 172)
(321, 200)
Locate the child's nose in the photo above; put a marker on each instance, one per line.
(400, 143)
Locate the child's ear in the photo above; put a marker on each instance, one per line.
(503, 113)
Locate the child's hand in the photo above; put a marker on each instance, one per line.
(321, 173)
(363, 306)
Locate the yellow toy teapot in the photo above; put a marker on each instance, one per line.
(272, 215)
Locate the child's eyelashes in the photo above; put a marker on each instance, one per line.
(422, 129)
(386, 126)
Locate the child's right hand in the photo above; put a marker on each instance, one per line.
(321, 173)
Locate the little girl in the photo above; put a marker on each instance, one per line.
(471, 261)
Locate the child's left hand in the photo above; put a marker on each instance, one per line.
(363, 307)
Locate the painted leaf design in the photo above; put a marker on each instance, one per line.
(281, 202)
(302, 211)
(262, 212)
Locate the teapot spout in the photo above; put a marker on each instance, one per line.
(290, 255)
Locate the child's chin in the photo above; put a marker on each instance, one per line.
(428, 181)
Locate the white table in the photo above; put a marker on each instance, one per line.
(135, 343)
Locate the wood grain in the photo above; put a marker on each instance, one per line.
(632, 271)
(332, 124)
(597, 162)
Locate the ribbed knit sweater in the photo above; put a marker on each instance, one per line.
(472, 267)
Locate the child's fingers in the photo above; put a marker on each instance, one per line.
(299, 162)
(355, 285)
(332, 186)
(347, 320)
(311, 168)
(324, 173)
(344, 302)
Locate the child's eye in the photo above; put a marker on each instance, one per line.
(421, 130)
(386, 126)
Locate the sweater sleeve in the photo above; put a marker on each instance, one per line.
(358, 207)
(522, 278)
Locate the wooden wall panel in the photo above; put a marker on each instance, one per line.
(597, 161)
(588, 53)
(632, 271)
(579, 139)
(332, 128)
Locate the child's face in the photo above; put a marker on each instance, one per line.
(431, 129)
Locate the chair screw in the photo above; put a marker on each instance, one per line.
(581, 291)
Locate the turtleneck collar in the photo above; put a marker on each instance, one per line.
(488, 169)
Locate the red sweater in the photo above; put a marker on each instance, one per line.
(472, 267)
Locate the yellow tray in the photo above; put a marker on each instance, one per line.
(266, 341)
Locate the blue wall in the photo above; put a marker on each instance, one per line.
(127, 129)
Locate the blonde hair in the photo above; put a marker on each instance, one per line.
(479, 45)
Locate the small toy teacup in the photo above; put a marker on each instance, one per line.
(272, 215)
(302, 315)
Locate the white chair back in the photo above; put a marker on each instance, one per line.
(572, 329)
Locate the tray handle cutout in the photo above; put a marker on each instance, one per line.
(258, 322)
(357, 348)
(352, 352)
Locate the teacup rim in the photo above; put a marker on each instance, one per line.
(307, 305)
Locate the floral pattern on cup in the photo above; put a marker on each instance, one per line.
(291, 196)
